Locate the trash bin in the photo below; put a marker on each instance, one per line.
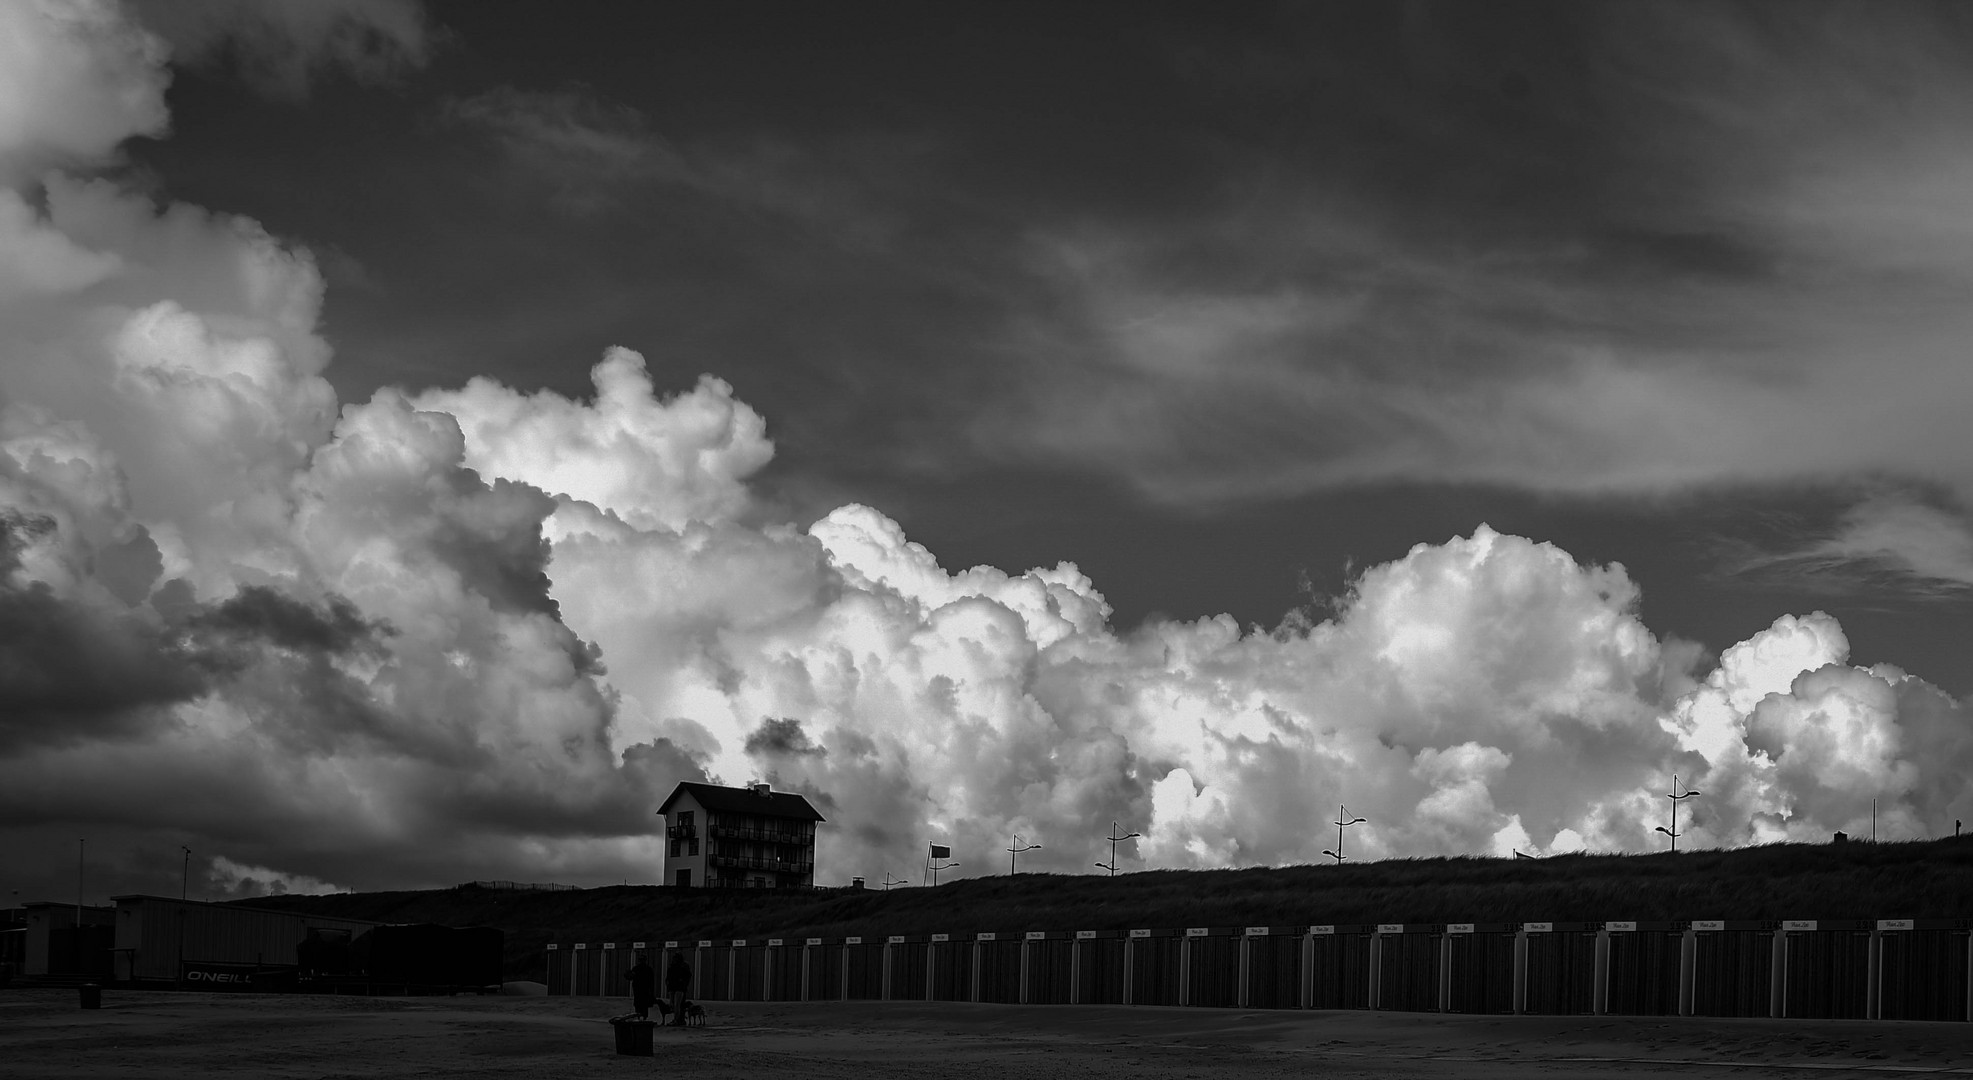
(634, 1036)
(92, 996)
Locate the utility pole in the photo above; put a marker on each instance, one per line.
(1114, 839)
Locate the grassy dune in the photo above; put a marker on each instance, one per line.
(1924, 879)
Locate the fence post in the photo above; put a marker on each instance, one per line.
(808, 951)
(1246, 955)
(1377, 969)
(1969, 978)
(932, 963)
(887, 967)
(733, 970)
(1185, 967)
(843, 995)
(1130, 968)
(1777, 974)
(976, 970)
(1521, 969)
(1599, 987)
(1688, 964)
(1445, 969)
(1306, 984)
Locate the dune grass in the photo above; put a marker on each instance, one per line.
(1920, 879)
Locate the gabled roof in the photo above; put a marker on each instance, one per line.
(726, 800)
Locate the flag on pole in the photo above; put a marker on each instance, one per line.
(941, 851)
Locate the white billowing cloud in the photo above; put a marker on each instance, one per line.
(239, 879)
(652, 463)
(306, 638)
(76, 79)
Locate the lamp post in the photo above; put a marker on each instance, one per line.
(1343, 821)
(938, 866)
(1114, 839)
(185, 871)
(1676, 798)
(888, 882)
(1016, 850)
(81, 848)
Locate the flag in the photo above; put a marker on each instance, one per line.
(941, 851)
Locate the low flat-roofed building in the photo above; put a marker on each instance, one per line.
(165, 939)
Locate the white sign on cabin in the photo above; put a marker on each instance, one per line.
(1085, 935)
(1390, 928)
(739, 943)
(853, 940)
(705, 944)
(1537, 927)
(1709, 924)
(1140, 933)
(941, 937)
(894, 939)
(1257, 931)
(1616, 927)
(985, 936)
(1196, 931)
(1894, 924)
(776, 941)
(1324, 929)
(1037, 935)
(1459, 928)
(815, 941)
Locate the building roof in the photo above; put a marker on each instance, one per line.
(727, 800)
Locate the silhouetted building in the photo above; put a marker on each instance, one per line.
(738, 837)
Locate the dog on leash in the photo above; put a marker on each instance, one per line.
(695, 1014)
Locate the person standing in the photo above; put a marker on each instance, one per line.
(678, 979)
(643, 985)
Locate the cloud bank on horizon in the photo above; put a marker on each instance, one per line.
(477, 632)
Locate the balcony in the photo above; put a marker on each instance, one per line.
(755, 832)
(750, 862)
(679, 832)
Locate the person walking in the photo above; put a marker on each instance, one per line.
(643, 985)
(678, 979)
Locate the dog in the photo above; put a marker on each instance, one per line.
(695, 1014)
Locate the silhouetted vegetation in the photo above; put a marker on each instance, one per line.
(1926, 879)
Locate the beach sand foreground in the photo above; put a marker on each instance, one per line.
(158, 1034)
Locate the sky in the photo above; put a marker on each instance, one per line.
(429, 432)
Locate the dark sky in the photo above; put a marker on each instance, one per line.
(1211, 301)
(431, 431)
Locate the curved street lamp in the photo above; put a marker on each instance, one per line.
(1114, 839)
(888, 882)
(1016, 850)
(1343, 821)
(1676, 798)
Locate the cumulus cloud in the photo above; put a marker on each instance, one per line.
(479, 632)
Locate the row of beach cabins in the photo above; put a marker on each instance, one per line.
(1891, 969)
